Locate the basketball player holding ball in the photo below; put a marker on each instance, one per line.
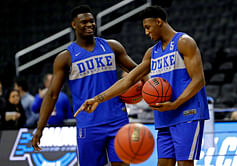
(176, 58)
(89, 64)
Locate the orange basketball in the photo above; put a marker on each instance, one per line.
(156, 90)
(133, 95)
(134, 143)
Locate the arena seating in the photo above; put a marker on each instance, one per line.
(212, 23)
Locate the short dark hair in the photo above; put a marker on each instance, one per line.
(80, 9)
(154, 12)
(22, 83)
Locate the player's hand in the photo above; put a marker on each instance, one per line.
(36, 140)
(89, 106)
(162, 107)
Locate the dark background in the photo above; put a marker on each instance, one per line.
(211, 23)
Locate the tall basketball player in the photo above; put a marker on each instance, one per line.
(176, 58)
(89, 64)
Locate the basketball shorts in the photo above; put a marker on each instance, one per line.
(96, 144)
(181, 142)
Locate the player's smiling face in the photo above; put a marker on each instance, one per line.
(84, 24)
(152, 28)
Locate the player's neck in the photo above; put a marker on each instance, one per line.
(167, 35)
(87, 43)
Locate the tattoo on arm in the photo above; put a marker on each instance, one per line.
(100, 97)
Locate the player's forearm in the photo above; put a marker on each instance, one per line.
(115, 90)
(145, 78)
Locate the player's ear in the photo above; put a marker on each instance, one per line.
(73, 25)
(159, 21)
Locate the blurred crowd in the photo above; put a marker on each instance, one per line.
(19, 108)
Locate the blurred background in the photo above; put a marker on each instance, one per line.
(212, 23)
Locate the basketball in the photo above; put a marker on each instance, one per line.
(133, 95)
(156, 90)
(134, 143)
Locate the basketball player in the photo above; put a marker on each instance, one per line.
(91, 64)
(176, 58)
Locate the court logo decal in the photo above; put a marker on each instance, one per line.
(58, 147)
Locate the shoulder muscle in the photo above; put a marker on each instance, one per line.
(116, 46)
(63, 60)
(187, 45)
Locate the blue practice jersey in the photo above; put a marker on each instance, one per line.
(91, 73)
(169, 64)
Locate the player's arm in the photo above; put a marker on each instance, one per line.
(122, 59)
(120, 86)
(193, 62)
(60, 69)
